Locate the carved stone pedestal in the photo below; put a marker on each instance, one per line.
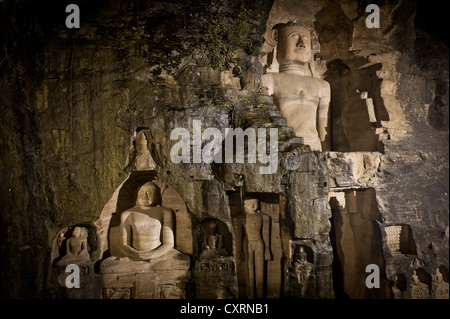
(146, 285)
(215, 278)
(165, 278)
(439, 290)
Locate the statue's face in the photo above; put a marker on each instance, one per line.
(294, 45)
(212, 242)
(146, 195)
(76, 232)
(250, 205)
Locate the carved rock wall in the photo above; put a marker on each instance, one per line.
(72, 101)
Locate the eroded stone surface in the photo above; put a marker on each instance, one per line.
(68, 158)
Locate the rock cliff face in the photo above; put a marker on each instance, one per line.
(74, 100)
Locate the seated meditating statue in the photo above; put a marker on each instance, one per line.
(76, 247)
(144, 239)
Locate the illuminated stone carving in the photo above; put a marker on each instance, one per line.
(302, 99)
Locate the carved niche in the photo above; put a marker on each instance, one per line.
(399, 286)
(419, 289)
(301, 269)
(73, 245)
(400, 240)
(258, 244)
(144, 256)
(140, 246)
(393, 238)
(439, 287)
(215, 271)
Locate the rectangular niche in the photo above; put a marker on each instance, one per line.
(400, 239)
(356, 240)
(271, 205)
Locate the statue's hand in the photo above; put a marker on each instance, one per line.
(267, 255)
(146, 255)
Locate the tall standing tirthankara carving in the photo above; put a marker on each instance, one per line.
(302, 99)
(252, 231)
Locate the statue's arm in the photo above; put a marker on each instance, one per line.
(322, 113)
(220, 242)
(266, 237)
(238, 228)
(68, 252)
(267, 83)
(83, 246)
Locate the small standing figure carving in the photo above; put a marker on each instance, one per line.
(144, 160)
(302, 269)
(254, 247)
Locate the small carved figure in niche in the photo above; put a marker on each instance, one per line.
(302, 99)
(146, 233)
(437, 277)
(76, 247)
(213, 242)
(254, 248)
(395, 288)
(440, 288)
(414, 278)
(144, 160)
(416, 263)
(302, 269)
(418, 288)
(60, 242)
(205, 268)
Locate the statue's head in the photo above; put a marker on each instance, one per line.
(250, 204)
(297, 43)
(148, 195)
(76, 232)
(212, 227)
(212, 242)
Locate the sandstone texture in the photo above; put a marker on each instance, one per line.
(73, 100)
